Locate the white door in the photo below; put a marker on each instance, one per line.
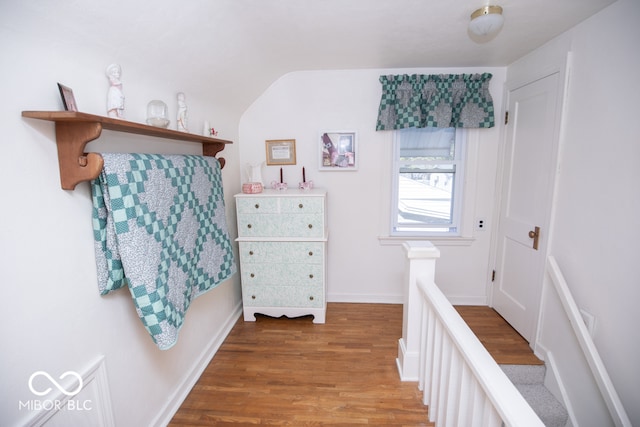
(527, 189)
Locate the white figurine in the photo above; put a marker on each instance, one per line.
(182, 114)
(115, 96)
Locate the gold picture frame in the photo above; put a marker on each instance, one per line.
(281, 151)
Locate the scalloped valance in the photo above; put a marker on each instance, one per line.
(435, 100)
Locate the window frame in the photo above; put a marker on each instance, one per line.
(460, 162)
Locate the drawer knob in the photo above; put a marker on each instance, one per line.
(248, 225)
(300, 205)
(310, 253)
(250, 252)
(257, 206)
(310, 225)
(311, 298)
(311, 276)
(253, 297)
(252, 275)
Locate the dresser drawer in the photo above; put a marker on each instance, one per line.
(301, 205)
(281, 252)
(282, 296)
(257, 205)
(281, 225)
(282, 274)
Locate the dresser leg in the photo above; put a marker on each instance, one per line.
(249, 315)
(319, 317)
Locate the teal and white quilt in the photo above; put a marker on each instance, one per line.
(160, 229)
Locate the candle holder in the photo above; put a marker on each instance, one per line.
(278, 185)
(305, 185)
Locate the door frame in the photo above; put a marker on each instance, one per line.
(526, 74)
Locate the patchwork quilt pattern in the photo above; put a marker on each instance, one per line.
(435, 100)
(160, 229)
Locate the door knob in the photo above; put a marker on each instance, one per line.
(535, 235)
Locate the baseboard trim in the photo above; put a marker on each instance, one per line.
(554, 383)
(399, 299)
(366, 299)
(477, 300)
(182, 391)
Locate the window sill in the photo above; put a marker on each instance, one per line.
(437, 241)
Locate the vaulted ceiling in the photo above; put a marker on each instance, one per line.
(236, 48)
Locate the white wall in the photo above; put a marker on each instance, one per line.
(53, 317)
(55, 320)
(596, 227)
(362, 267)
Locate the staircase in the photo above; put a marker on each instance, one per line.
(484, 381)
(529, 380)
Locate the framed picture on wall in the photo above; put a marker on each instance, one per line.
(68, 100)
(281, 151)
(338, 151)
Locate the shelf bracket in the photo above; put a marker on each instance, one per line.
(212, 150)
(74, 130)
(75, 165)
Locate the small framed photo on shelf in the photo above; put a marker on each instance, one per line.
(68, 100)
(338, 151)
(281, 152)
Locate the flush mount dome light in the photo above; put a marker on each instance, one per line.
(487, 20)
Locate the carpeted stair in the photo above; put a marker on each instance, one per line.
(529, 380)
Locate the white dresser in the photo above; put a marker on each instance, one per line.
(283, 251)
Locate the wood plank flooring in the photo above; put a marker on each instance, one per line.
(498, 337)
(296, 373)
(293, 372)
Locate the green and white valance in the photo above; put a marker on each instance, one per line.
(443, 100)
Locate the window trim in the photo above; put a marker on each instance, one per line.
(459, 199)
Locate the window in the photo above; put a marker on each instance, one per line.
(427, 187)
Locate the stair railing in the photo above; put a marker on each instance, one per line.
(461, 383)
(600, 374)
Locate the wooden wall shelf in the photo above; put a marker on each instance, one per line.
(74, 130)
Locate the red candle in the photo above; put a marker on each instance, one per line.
(304, 179)
(281, 176)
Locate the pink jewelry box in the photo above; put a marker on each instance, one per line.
(252, 187)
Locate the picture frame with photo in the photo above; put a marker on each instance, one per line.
(281, 151)
(68, 100)
(338, 151)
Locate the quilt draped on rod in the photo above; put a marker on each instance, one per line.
(160, 229)
(435, 100)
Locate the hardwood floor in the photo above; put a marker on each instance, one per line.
(498, 337)
(293, 372)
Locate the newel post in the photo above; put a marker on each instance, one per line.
(421, 263)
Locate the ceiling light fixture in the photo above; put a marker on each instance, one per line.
(486, 21)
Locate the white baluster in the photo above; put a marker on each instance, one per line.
(445, 368)
(465, 400)
(423, 347)
(436, 370)
(453, 394)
